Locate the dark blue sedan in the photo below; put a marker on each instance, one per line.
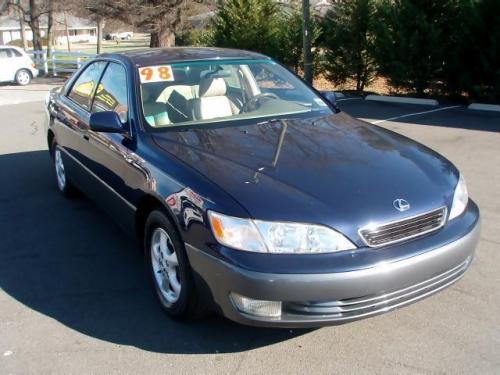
(252, 194)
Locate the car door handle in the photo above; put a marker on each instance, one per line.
(86, 137)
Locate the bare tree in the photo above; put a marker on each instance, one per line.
(22, 29)
(4, 4)
(50, 24)
(96, 11)
(161, 18)
(32, 13)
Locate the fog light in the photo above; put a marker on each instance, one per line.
(270, 309)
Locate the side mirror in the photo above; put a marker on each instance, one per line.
(330, 97)
(106, 122)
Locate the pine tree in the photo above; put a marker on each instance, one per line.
(348, 40)
(247, 24)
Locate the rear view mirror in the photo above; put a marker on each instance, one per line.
(330, 97)
(106, 122)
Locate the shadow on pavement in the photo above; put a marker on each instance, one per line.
(67, 260)
(459, 117)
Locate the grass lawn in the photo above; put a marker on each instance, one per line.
(137, 42)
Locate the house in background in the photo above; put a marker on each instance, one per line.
(79, 30)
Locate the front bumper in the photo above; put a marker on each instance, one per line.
(320, 299)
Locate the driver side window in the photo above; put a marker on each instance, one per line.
(111, 93)
(83, 88)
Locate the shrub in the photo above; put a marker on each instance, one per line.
(195, 37)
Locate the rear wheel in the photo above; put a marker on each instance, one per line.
(63, 184)
(169, 267)
(23, 77)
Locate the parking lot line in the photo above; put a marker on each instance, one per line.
(414, 114)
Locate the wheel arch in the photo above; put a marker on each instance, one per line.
(50, 140)
(147, 204)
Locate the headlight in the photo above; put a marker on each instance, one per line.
(460, 199)
(276, 237)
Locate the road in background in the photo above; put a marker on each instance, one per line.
(75, 298)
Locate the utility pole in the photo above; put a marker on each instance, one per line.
(100, 26)
(306, 38)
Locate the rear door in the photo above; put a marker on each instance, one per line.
(19, 60)
(7, 70)
(71, 113)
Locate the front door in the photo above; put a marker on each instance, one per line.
(111, 156)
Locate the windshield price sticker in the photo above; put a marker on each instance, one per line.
(157, 73)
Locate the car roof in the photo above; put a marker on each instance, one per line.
(12, 47)
(153, 56)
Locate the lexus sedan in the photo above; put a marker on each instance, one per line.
(252, 194)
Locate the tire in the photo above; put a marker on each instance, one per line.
(23, 77)
(169, 268)
(63, 183)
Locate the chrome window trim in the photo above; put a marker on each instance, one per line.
(443, 222)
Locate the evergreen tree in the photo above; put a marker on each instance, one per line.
(247, 24)
(409, 41)
(348, 40)
(289, 41)
(483, 52)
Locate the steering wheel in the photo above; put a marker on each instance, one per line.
(254, 100)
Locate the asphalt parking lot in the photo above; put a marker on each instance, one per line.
(74, 297)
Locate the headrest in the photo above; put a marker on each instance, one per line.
(212, 86)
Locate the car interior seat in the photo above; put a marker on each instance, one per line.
(155, 112)
(212, 101)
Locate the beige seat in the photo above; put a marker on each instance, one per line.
(155, 112)
(212, 101)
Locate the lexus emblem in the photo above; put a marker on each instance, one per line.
(401, 204)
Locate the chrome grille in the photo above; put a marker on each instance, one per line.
(402, 230)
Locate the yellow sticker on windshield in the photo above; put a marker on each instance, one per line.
(157, 73)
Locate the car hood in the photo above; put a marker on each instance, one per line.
(335, 170)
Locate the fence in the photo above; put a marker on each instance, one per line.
(59, 62)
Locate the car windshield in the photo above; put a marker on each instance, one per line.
(205, 92)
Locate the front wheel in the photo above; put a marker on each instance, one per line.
(169, 267)
(23, 77)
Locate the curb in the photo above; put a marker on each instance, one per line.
(401, 99)
(484, 107)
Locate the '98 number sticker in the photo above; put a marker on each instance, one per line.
(156, 73)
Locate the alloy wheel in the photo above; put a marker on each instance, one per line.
(60, 172)
(165, 266)
(23, 77)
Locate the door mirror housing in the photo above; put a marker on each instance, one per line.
(330, 97)
(106, 122)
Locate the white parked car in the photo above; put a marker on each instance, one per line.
(16, 66)
(124, 35)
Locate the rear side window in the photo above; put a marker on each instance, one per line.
(5, 53)
(15, 52)
(84, 86)
(111, 94)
